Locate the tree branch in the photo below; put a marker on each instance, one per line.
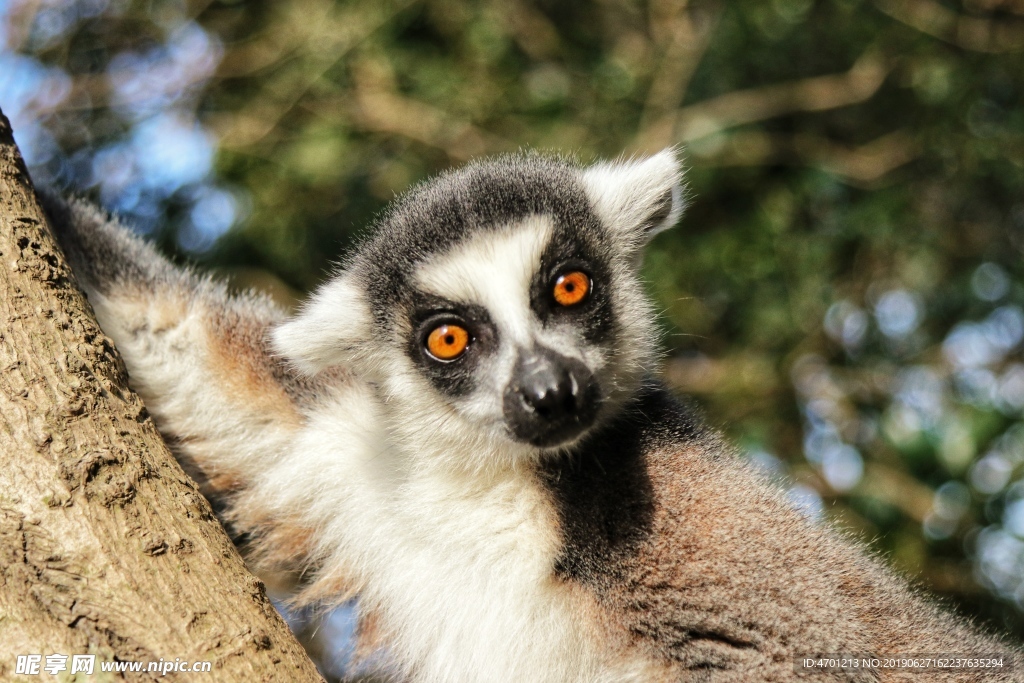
(381, 111)
(861, 165)
(338, 32)
(969, 33)
(819, 93)
(107, 546)
(685, 42)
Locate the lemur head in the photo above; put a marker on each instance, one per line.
(499, 304)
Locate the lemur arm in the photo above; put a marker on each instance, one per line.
(197, 356)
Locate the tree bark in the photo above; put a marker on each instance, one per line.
(106, 545)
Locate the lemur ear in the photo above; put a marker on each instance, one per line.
(637, 198)
(329, 328)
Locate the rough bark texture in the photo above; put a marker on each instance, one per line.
(106, 546)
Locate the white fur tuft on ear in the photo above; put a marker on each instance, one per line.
(637, 198)
(327, 329)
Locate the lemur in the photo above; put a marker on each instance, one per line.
(461, 428)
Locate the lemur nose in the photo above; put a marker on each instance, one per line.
(551, 398)
(549, 389)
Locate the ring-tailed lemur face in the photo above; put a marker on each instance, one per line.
(517, 328)
(501, 302)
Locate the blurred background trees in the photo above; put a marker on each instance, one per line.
(844, 296)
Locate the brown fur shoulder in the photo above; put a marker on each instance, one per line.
(697, 560)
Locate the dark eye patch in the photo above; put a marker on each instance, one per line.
(574, 252)
(454, 378)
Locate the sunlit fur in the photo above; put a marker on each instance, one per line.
(422, 505)
(638, 551)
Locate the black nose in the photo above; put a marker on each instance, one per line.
(551, 399)
(549, 389)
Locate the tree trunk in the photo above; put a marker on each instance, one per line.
(106, 546)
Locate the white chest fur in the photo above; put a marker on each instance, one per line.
(469, 580)
(458, 567)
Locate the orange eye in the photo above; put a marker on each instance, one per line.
(572, 288)
(447, 342)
